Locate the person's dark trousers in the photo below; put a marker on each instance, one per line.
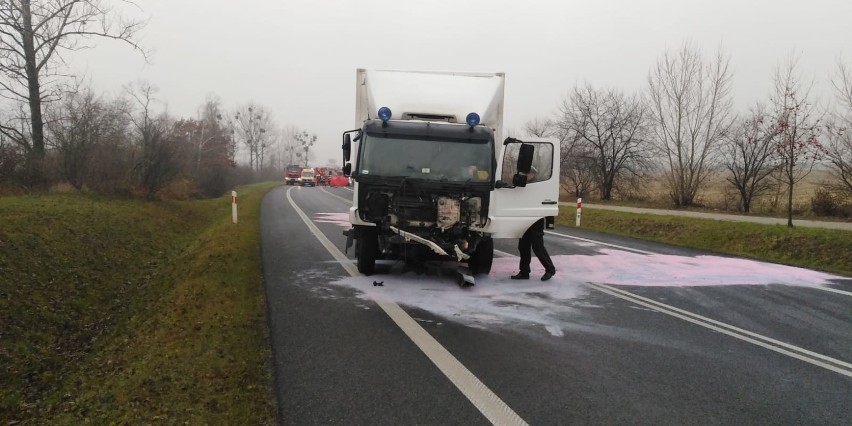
(533, 241)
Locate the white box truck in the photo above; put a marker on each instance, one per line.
(433, 176)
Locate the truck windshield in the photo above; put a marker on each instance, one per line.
(453, 160)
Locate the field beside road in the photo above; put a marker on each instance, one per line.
(126, 311)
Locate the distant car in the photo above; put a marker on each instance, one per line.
(338, 181)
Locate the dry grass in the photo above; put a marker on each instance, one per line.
(123, 311)
(719, 196)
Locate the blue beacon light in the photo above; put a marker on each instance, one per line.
(384, 113)
(472, 119)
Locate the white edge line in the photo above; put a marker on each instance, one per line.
(728, 332)
(834, 290)
(712, 324)
(486, 401)
(728, 326)
(335, 195)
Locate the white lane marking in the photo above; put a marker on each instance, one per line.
(503, 253)
(814, 358)
(739, 333)
(335, 196)
(731, 327)
(823, 288)
(599, 242)
(485, 400)
(834, 290)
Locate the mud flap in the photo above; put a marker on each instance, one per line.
(349, 239)
(464, 277)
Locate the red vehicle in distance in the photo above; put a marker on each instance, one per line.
(338, 180)
(292, 174)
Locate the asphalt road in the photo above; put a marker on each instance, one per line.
(628, 332)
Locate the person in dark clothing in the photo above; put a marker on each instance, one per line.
(533, 240)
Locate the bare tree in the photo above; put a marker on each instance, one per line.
(33, 36)
(251, 124)
(839, 130)
(579, 172)
(271, 152)
(15, 153)
(290, 145)
(797, 119)
(78, 126)
(749, 155)
(691, 110)
(159, 154)
(539, 128)
(209, 137)
(577, 166)
(612, 129)
(305, 142)
(11, 156)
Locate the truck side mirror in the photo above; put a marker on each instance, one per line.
(347, 169)
(347, 148)
(524, 165)
(525, 158)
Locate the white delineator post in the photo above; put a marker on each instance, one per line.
(234, 206)
(579, 210)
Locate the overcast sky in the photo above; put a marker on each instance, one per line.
(298, 57)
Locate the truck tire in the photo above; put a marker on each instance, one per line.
(482, 258)
(368, 247)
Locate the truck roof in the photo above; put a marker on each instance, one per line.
(419, 94)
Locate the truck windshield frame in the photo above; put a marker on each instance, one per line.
(442, 160)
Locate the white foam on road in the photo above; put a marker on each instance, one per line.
(339, 219)
(498, 300)
(619, 267)
(491, 301)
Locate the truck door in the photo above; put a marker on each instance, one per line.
(514, 208)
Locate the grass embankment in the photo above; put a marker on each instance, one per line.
(124, 311)
(821, 249)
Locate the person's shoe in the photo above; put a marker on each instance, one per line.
(548, 275)
(521, 276)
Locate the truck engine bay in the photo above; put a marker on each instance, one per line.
(413, 213)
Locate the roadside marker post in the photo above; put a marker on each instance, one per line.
(579, 210)
(234, 206)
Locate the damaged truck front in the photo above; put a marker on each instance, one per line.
(426, 171)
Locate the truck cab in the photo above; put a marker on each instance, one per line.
(292, 174)
(436, 181)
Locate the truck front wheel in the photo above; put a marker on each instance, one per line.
(368, 247)
(482, 258)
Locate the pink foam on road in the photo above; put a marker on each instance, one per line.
(498, 300)
(619, 267)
